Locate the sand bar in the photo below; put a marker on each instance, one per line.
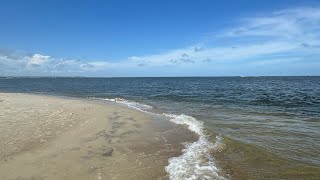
(44, 137)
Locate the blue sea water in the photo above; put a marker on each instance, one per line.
(276, 115)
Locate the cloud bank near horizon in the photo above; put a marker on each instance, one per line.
(268, 44)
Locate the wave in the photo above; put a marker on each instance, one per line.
(195, 161)
(131, 104)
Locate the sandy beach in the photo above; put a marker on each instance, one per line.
(44, 137)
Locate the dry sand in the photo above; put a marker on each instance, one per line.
(44, 137)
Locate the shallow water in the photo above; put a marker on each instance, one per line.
(262, 120)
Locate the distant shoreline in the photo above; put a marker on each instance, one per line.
(7, 77)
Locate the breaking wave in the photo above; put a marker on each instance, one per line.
(195, 161)
(131, 104)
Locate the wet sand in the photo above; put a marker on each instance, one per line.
(44, 137)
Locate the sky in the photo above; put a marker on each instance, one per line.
(117, 38)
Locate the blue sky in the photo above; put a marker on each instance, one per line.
(159, 38)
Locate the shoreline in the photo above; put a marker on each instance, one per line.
(49, 137)
(261, 139)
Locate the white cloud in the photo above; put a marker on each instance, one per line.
(36, 59)
(218, 54)
(278, 38)
(38, 64)
(298, 24)
(289, 32)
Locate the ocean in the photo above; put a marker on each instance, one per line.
(248, 127)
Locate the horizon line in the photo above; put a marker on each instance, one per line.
(157, 76)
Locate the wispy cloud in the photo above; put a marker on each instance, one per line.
(279, 38)
(297, 24)
(292, 32)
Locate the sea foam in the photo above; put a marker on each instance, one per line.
(195, 161)
(131, 104)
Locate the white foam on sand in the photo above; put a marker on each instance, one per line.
(195, 161)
